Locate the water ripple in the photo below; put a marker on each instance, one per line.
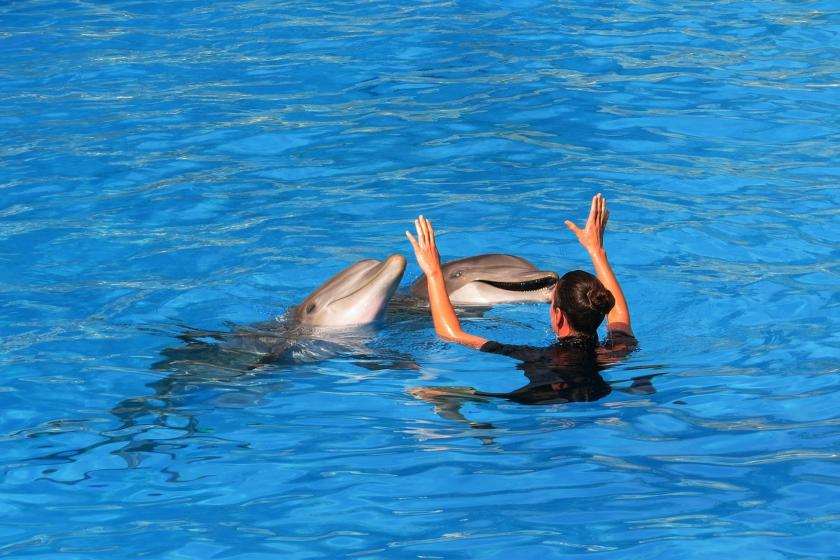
(184, 163)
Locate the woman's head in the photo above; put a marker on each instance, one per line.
(583, 300)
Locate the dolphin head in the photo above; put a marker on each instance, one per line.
(491, 279)
(355, 296)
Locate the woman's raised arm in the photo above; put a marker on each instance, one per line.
(447, 325)
(592, 239)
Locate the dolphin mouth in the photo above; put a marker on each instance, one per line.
(524, 285)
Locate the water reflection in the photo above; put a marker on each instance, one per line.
(565, 372)
(237, 368)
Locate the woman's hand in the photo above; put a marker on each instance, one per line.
(592, 235)
(424, 246)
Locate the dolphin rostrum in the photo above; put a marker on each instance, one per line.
(491, 279)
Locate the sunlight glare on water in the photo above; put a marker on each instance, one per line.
(205, 165)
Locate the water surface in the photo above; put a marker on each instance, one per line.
(209, 164)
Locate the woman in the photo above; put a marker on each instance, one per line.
(567, 370)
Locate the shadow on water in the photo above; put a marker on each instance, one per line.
(448, 401)
(236, 368)
(568, 371)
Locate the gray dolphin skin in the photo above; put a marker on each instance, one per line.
(332, 320)
(357, 295)
(491, 279)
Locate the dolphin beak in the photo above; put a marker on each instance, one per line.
(396, 261)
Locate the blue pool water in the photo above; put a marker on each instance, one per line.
(207, 164)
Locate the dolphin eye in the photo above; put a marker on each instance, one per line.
(310, 308)
(456, 274)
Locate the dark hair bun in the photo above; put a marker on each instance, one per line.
(583, 300)
(601, 299)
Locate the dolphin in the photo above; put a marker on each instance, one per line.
(491, 279)
(333, 319)
(217, 367)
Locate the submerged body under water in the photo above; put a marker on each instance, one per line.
(184, 163)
